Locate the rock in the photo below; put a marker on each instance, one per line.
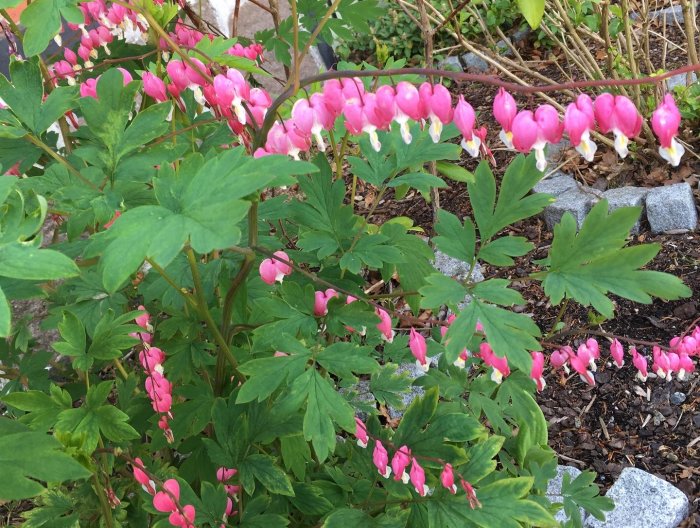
(626, 197)
(576, 201)
(680, 79)
(502, 45)
(554, 491)
(643, 501)
(457, 269)
(696, 420)
(556, 184)
(555, 151)
(474, 63)
(451, 64)
(677, 398)
(670, 15)
(672, 208)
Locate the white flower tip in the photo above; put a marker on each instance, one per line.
(406, 133)
(361, 443)
(471, 146)
(435, 130)
(405, 478)
(374, 140)
(386, 473)
(423, 366)
(506, 138)
(459, 362)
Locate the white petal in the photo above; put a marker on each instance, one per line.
(621, 144)
(435, 129)
(507, 138)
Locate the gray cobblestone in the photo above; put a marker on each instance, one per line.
(672, 209)
(643, 501)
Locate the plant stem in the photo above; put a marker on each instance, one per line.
(187, 296)
(104, 504)
(328, 14)
(60, 159)
(205, 314)
(562, 311)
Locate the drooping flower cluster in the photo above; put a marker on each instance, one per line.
(224, 475)
(167, 500)
(678, 359)
(399, 466)
(158, 388)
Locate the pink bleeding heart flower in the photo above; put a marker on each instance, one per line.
(580, 364)
(381, 459)
(89, 88)
(618, 114)
(70, 56)
(311, 117)
(152, 359)
(231, 90)
(333, 97)
(504, 110)
(537, 371)
(399, 463)
(162, 402)
(154, 87)
(143, 320)
(419, 349)
(418, 479)
(385, 326)
(617, 352)
(142, 478)
(593, 346)
(361, 433)
(447, 478)
(662, 364)
(157, 385)
(559, 359)
(223, 473)
(534, 131)
(586, 355)
(184, 519)
(443, 329)
(665, 122)
(258, 103)
(640, 363)
(438, 103)
(178, 74)
(273, 270)
(579, 120)
(284, 139)
(321, 301)
(464, 120)
(498, 364)
(385, 105)
(685, 366)
(409, 106)
(357, 118)
(165, 501)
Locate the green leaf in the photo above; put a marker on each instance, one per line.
(201, 203)
(496, 291)
(265, 375)
(74, 341)
(532, 11)
(419, 180)
(513, 203)
(455, 172)
(263, 468)
(41, 408)
(583, 492)
(347, 518)
(454, 239)
(481, 459)
(5, 315)
(23, 261)
(587, 265)
(440, 290)
(324, 408)
(416, 417)
(42, 19)
(499, 251)
(510, 334)
(344, 359)
(93, 418)
(502, 504)
(27, 457)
